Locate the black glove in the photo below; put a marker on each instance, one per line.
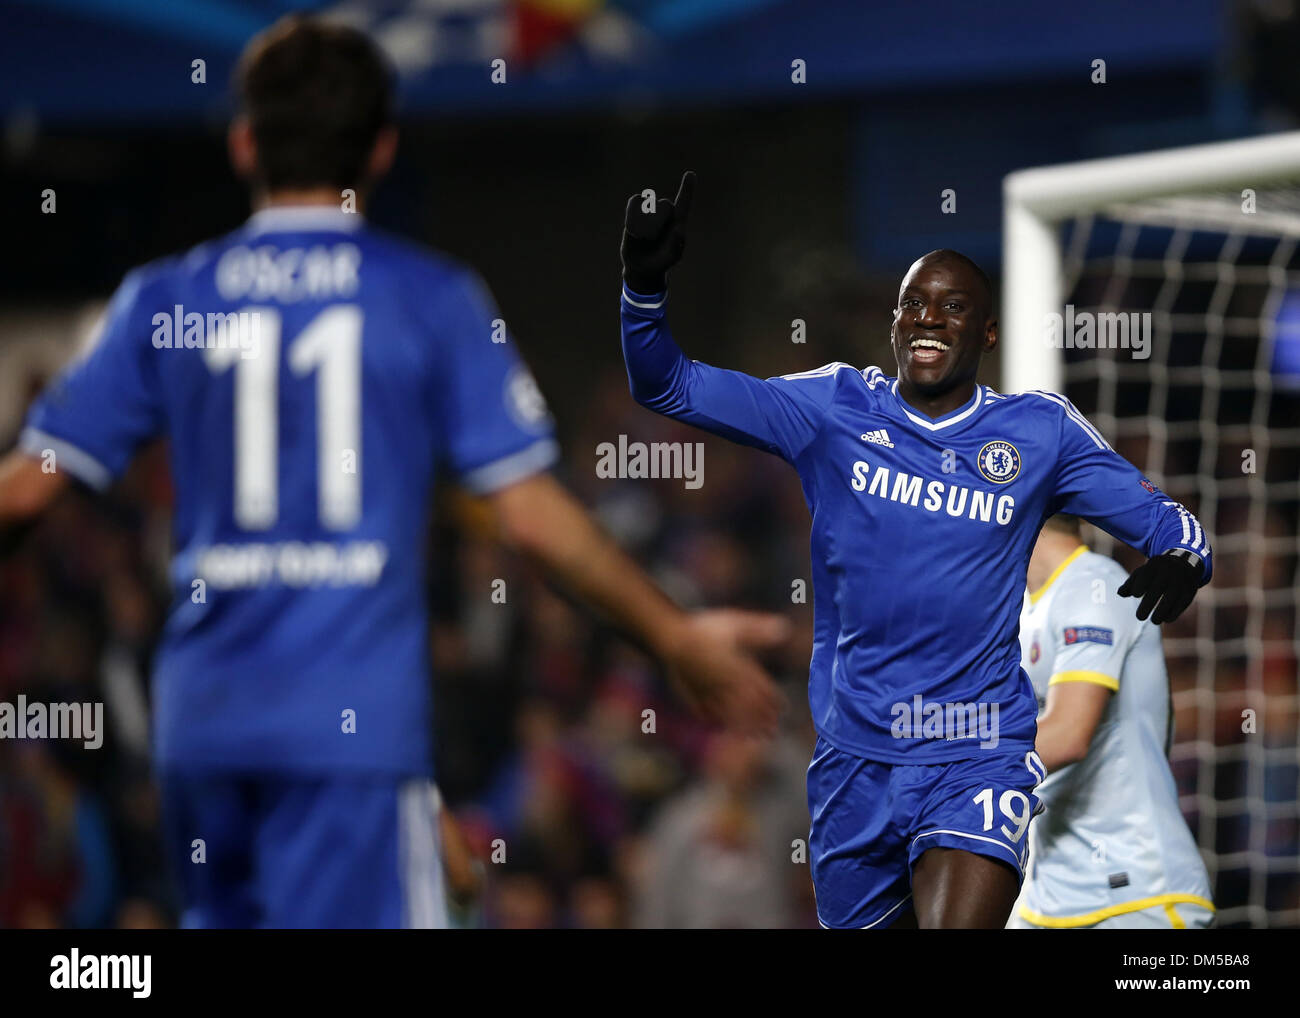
(653, 241)
(1166, 583)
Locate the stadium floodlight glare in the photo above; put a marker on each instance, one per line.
(1203, 244)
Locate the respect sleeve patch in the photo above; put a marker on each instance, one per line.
(1089, 634)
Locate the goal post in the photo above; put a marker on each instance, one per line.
(1038, 201)
(1200, 246)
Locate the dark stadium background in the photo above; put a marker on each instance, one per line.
(812, 200)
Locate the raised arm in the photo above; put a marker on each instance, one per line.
(778, 415)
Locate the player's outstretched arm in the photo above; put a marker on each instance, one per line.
(25, 491)
(25, 488)
(707, 654)
(654, 237)
(779, 415)
(1166, 584)
(1105, 489)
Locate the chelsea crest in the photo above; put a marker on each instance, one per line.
(999, 462)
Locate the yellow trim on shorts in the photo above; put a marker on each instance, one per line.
(1175, 920)
(1096, 678)
(1137, 905)
(1034, 595)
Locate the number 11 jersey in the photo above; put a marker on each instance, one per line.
(312, 375)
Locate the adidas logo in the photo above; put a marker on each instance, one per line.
(880, 437)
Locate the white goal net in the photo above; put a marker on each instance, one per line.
(1193, 255)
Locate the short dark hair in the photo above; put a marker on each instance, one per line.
(316, 95)
(947, 254)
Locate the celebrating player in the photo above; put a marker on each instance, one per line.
(311, 374)
(926, 491)
(1112, 850)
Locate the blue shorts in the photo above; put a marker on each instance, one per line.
(871, 821)
(357, 852)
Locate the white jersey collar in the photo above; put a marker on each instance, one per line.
(948, 419)
(303, 218)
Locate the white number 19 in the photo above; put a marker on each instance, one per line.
(1014, 806)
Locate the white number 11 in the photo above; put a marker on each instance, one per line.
(331, 342)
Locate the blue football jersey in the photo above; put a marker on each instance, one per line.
(311, 374)
(921, 533)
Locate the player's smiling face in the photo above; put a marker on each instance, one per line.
(942, 326)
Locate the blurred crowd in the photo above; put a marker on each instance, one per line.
(589, 795)
(615, 806)
(588, 791)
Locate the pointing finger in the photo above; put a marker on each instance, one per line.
(685, 195)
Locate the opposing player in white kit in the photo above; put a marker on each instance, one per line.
(1112, 848)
